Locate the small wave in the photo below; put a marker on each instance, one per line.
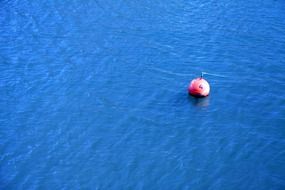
(170, 72)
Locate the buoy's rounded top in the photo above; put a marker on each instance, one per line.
(199, 87)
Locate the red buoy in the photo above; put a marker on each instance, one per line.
(199, 87)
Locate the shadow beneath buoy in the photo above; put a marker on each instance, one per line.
(200, 102)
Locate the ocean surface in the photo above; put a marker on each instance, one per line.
(93, 95)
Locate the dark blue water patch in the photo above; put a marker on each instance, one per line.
(94, 95)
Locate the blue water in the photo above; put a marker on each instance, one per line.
(93, 95)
